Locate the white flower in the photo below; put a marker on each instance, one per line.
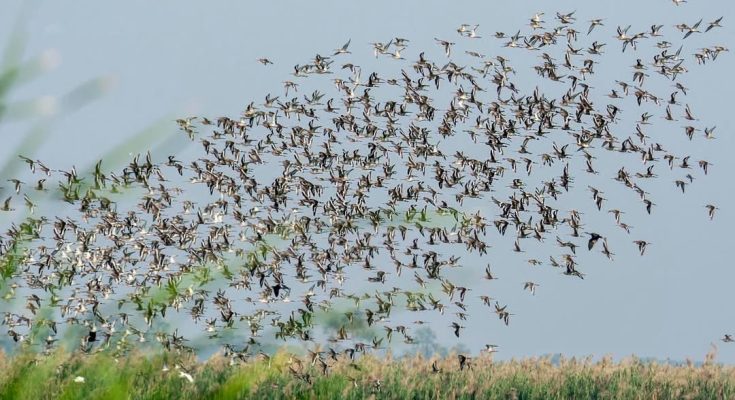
(79, 379)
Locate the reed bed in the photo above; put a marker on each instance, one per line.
(63, 375)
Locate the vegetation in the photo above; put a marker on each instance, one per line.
(63, 375)
(110, 364)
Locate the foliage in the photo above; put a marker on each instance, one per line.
(283, 375)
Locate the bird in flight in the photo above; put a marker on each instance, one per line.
(711, 210)
(415, 162)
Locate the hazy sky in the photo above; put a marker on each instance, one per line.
(170, 59)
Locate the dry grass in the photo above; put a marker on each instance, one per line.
(285, 376)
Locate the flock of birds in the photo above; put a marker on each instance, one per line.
(360, 196)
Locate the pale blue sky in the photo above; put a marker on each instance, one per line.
(172, 59)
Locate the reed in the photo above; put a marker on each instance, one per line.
(287, 376)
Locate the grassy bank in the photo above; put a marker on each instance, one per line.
(164, 376)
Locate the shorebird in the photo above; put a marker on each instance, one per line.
(343, 49)
(447, 45)
(689, 30)
(464, 362)
(594, 237)
(456, 328)
(711, 210)
(491, 348)
(641, 245)
(531, 286)
(537, 20)
(316, 193)
(6, 205)
(714, 24)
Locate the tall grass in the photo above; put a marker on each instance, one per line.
(286, 376)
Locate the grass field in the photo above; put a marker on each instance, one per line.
(283, 376)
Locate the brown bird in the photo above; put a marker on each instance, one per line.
(711, 210)
(6, 205)
(531, 286)
(641, 245)
(594, 237)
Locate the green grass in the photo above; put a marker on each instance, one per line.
(284, 376)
